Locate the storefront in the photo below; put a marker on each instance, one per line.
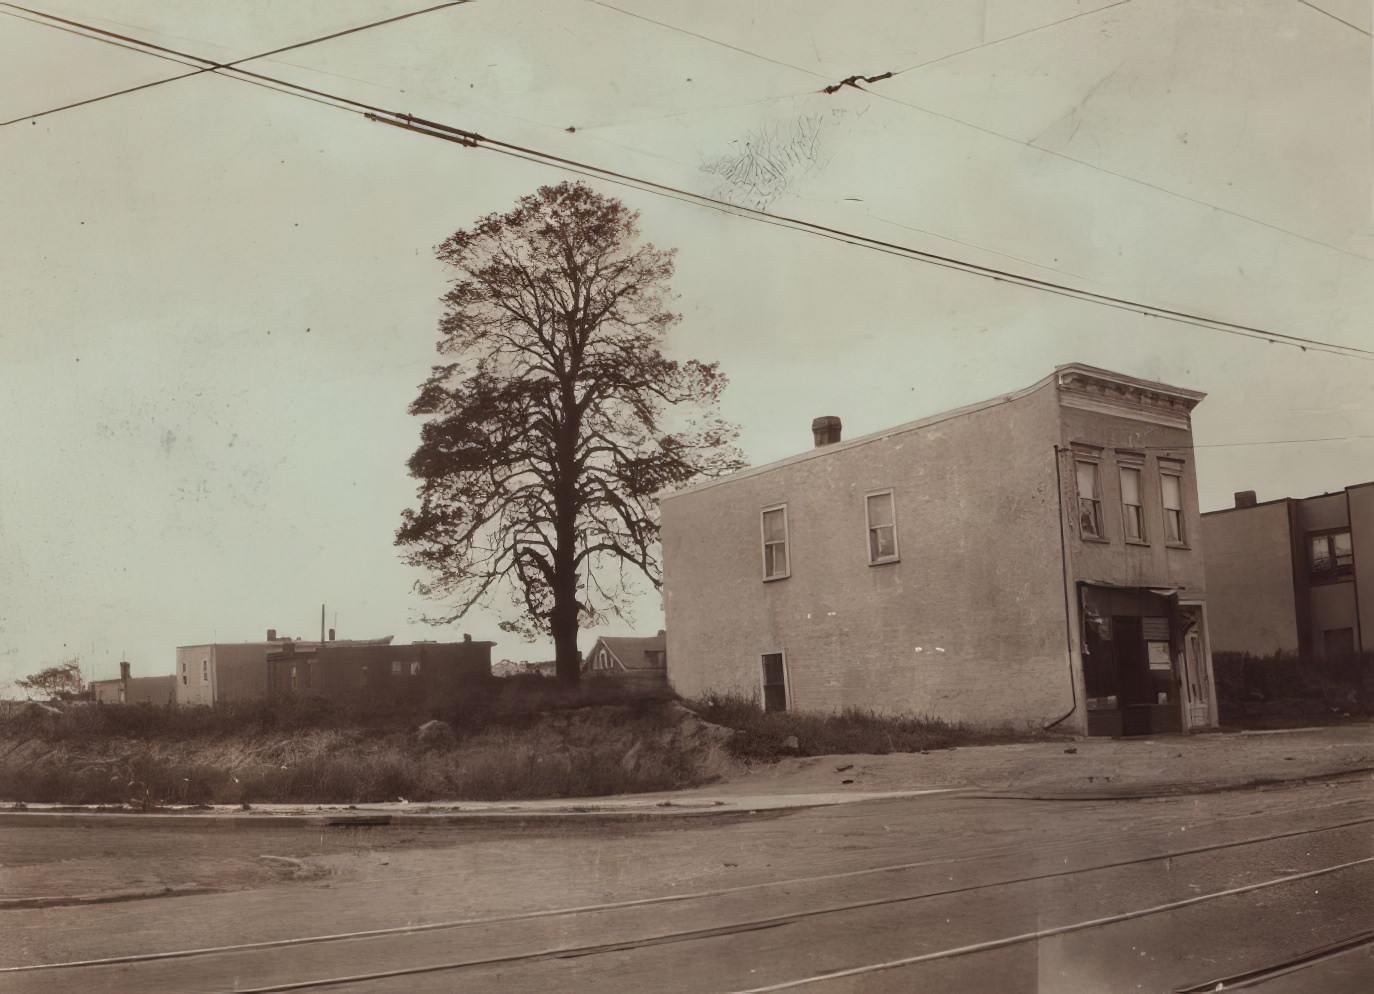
(1144, 661)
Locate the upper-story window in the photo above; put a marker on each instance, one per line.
(1332, 554)
(775, 559)
(205, 671)
(1171, 497)
(882, 528)
(1132, 504)
(1089, 497)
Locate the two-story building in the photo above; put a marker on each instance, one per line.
(1033, 559)
(1284, 575)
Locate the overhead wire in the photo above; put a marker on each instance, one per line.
(159, 51)
(472, 139)
(880, 94)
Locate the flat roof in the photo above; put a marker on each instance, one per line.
(1060, 373)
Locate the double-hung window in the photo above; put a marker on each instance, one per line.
(1132, 502)
(1089, 497)
(882, 528)
(1171, 497)
(775, 559)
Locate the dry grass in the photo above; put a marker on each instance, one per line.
(574, 752)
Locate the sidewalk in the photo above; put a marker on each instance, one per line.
(1064, 769)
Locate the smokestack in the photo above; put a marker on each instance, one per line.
(1245, 498)
(321, 622)
(123, 682)
(826, 430)
(271, 635)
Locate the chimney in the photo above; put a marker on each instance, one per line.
(826, 430)
(271, 635)
(1245, 498)
(123, 681)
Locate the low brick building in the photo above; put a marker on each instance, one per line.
(380, 670)
(129, 689)
(1033, 559)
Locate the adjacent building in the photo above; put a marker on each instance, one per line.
(1033, 559)
(223, 672)
(128, 689)
(1284, 575)
(378, 669)
(639, 661)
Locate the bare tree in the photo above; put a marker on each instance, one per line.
(545, 441)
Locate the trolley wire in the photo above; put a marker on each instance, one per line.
(471, 139)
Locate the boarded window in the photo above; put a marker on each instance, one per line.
(775, 562)
(774, 682)
(882, 528)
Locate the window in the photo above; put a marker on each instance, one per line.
(294, 676)
(882, 528)
(1171, 493)
(1332, 554)
(774, 682)
(205, 671)
(395, 667)
(775, 565)
(415, 668)
(184, 678)
(1132, 509)
(602, 659)
(1089, 499)
(362, 675)
(308, 668)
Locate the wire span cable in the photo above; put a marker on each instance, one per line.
(445, 132)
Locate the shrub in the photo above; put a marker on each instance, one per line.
(763, 735)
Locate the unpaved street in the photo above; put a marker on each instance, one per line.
(963, 891)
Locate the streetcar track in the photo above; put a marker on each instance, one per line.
(689, 935)
(1045, 933)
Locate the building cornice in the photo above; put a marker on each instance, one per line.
(1104, 392)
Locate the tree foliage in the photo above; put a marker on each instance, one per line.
(62, 682)
(560, 418)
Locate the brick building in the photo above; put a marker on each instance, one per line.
(427, 671)
(1033, 559)
(1284, 575)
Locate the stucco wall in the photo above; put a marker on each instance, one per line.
(968, 625)
(1250, 601)
(194, 675)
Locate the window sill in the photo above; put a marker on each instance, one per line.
(1094, 538)
(1136, 541)
(885, 562)
(1322, 579)
(774, 579)
(1177, 545)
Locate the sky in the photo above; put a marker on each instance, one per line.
(217, 300)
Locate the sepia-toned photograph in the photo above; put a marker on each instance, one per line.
(711, 497)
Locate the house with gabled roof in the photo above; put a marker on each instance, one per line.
(639, 660)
